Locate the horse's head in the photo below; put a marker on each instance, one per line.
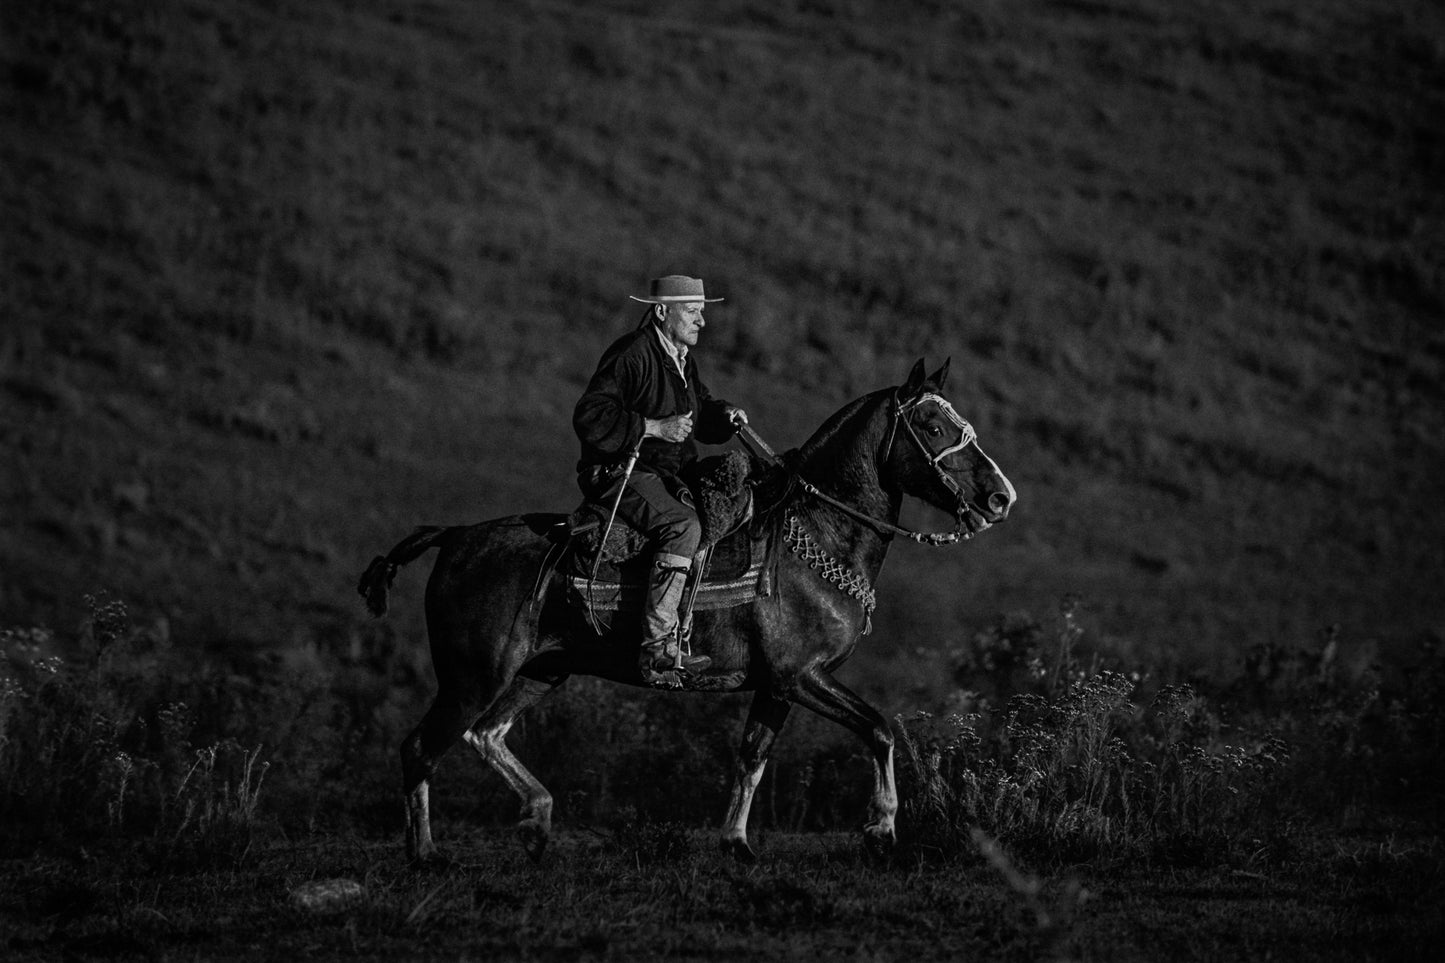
(933, 454)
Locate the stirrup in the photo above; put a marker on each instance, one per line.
(666, 658)
(670, 679)
(692, 664)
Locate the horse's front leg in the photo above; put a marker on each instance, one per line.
(765, 719)
(825, 695)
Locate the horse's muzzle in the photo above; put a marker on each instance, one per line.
(993, 510)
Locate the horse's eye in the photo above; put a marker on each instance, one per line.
(934, 430)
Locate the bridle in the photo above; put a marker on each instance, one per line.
(966, 437)
(899, 412)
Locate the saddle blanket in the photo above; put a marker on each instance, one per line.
(628, 596)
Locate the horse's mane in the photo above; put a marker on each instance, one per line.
(827, 435)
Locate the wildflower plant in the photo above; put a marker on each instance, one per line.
(1081, 766)
(91, 755)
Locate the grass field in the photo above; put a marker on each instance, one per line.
(1072, 812)
(283, 279)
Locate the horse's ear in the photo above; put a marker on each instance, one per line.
(914, 385)
(940, 376)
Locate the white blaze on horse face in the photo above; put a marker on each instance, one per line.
(1008, 488)
(967, 436)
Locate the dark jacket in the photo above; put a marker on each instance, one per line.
(636, 379)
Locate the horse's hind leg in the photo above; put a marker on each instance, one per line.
(488, 736)
(819, 691)
(765, 719)
(448, 717)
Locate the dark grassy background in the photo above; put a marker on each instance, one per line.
(283, 279)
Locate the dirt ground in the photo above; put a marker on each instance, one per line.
(665, 893)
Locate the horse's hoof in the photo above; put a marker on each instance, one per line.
(739, 850)
(879, 842)
(534, 839)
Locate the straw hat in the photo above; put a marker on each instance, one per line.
(674, 288)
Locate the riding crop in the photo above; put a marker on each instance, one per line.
(607, 530)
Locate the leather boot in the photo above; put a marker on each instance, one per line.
(662, 658)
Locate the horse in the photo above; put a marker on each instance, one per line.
(498, 645)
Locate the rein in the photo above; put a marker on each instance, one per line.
(763, 450)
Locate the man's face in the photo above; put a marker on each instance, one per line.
(683, 322)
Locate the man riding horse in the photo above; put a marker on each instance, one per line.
(646, 397)
(499, 645)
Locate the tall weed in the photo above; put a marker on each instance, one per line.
(1088, 774)
(1071, 767)
(91, 754)
(1061, 755)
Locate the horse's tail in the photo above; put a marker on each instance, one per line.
(376, 580)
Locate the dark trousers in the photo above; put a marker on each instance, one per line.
(657, 508)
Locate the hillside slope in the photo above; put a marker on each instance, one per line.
(283, 279)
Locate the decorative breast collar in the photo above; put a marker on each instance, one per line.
(849, 582)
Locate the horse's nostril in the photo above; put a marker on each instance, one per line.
(998, 503)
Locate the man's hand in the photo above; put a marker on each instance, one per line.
(674, 429)
(737, 416)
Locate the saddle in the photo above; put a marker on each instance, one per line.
(719, 491)
(735, 553)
